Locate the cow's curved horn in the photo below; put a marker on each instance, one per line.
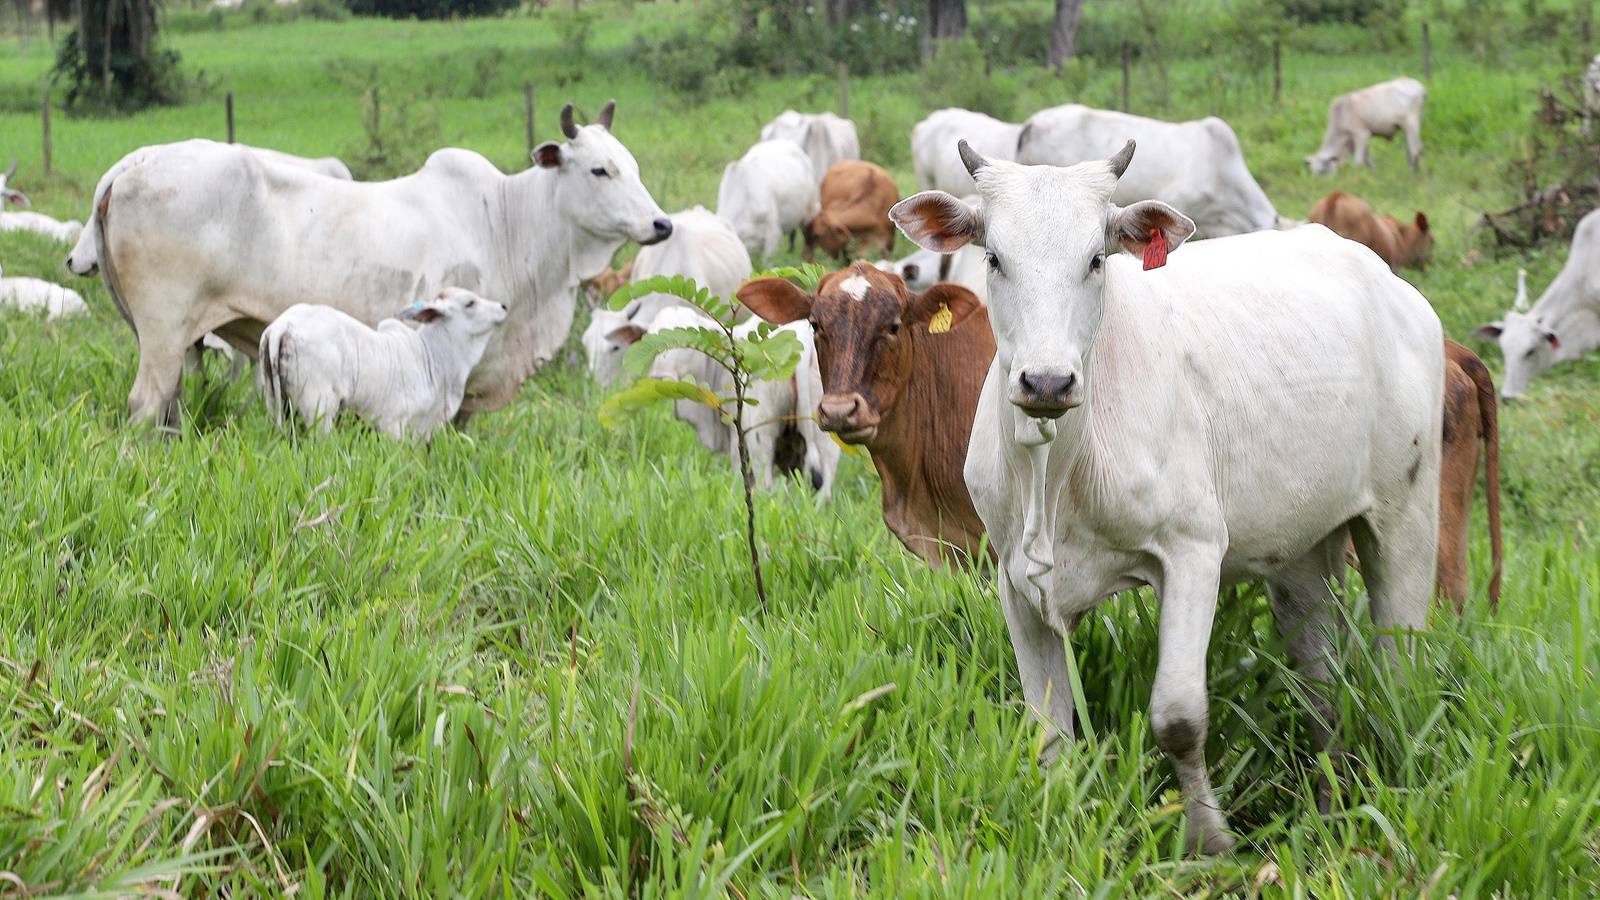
(1521, 303)
(13, 170)
(568, 127)
(1119, 162)
(606, 112)
(970, 158)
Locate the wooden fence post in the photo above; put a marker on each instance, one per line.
(527, 114)
(844, 90)
(46, 116)
(1127, 53)
(1427, 51)
(228, 102)
(1277, 71)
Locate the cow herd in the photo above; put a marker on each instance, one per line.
(1105, 366)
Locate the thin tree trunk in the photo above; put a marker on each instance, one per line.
(749, 488)
(1064, 34)
(946, 19)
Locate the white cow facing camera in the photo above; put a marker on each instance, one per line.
(317, 361)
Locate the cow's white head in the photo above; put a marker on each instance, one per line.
(607, 338)
(9, 194)
(1529, 348)
(1324, 162)
(1048, 231)
(598, 189)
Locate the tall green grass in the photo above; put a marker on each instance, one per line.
(525, 659)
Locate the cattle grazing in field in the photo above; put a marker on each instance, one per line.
(318, 362)
(856, 197)
(1381, 110)
(1196, 166)
(1400, 244)
(1564, 325)
(280, 235)
(933, 147)
(902, 389)
(1470, 418)
(1175, 428)
(783, 434)
(37, 223)
(826, 138)
(84, 259)
(703, 247)
(35, 293)
(766, 194)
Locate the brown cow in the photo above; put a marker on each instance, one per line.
(1397, 244)
(856, 197)
(600, 288)
(1470, 416)
(904, 392)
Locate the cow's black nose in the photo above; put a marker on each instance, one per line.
(1047, 390)
(663, 228)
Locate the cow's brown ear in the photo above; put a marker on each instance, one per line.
(776, 300)
(1422, 223)
(936, 221)
(625, 335)
(944, 297)
(547, 155)
(1489, 332)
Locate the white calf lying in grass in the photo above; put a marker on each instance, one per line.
(65, 232)
(35, 293)
(406, 383)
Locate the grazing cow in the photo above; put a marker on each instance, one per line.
(703, 247)
(856, 197)
(317, 361)
(825, 138)
(783, 434)
(37, 223)
(924, 268)
(1381, 110)
(1591, 93)
(281, 235)
(34, 293)
(768, 193)
(933, 147)
(901, 386)
(1172, 428)
(85, 256)
(1196, 166)
(1470, 417)
(1399, 244)
(1564, 325)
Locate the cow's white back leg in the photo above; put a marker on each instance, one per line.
(1398, 547)
(1041, 664)
(154, 398)
(1179, 710)
(1413, 129)
(1303, 609)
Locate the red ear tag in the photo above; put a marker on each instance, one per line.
(1155, 252)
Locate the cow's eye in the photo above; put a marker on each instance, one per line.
(471, 303)
(816, 328)
(1097, 263)
(994, 261)
(892, 329)
(1531, 350)
(599, 172)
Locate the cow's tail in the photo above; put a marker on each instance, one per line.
(1489, 413)
(101, 222)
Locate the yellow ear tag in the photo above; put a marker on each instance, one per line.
(940, 323)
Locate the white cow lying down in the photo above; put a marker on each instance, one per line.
(1381, 110)
(787, 436)
(318, 361)
(35, 293)
(64, 232)
(1239, 413)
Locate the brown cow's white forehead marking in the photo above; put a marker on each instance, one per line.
(855, 286)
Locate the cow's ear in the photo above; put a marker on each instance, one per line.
(625, 335)
(17, 198)
(547, 155)
(1550, 337)
(943, 299)
(776, 300)
(1422, 223)
(936, 221)
(1489, 332)
(1134, 228)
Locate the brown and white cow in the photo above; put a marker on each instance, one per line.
(1397, 243)
(901, 389)
(856, 197)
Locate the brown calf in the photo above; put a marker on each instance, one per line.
(1470, 416)
(1397, 244)
(856, 197)
(905, 391)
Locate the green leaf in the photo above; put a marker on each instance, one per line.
(806, 277)
(710, 341)
(683, 288)
(771, 356)
(647, 392)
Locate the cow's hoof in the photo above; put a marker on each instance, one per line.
(1212, 842)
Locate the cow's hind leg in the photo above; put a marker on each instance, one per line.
(156, 387)
(1303, 609)
(1179, 710)
(1413, 129)
(1398, 547)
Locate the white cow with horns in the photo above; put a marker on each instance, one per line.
(200, 238)
(1234, 415)
(1564, 325)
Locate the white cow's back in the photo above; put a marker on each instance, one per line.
(933, 147)
(768, 192)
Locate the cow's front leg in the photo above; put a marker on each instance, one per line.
(1178, 706)
(1041, 663)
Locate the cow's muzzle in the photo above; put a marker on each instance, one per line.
(1045, 395)
(847, 416)
(663, 230)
